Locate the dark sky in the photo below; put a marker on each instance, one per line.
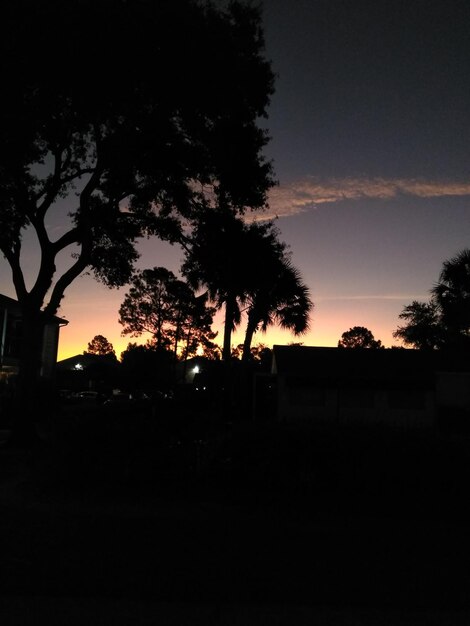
(377, 88)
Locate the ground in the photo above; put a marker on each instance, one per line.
(251, 526)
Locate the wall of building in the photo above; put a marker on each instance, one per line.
(397, 407)
(453, 390)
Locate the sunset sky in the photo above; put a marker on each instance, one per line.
(370, 127)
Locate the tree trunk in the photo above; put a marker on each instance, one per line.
(29, 402)
(250, 331)
(230, 307)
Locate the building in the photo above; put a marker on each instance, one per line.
(404, 389)
(93, 372)
(10, 340)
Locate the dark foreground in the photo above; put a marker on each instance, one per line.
(244, 525)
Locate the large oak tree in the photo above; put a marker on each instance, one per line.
(116, 114)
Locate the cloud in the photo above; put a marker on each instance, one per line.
(303, 195)
(385, 296)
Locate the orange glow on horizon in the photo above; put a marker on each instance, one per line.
(74, 339)
(98, 314)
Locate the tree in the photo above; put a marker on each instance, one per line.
(359, 337)
(245, 267)
(444, 321)
(278, 297)
(113, 139)
(169, 310)
(259, 353)
(452, 295)
(193, 329)
(145, 368)
(423, 328)
(100, 345)
(218, 258)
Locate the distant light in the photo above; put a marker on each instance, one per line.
(196, 369)
(78, 366)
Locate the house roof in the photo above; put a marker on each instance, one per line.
(357, 364)
(85, 360)
(9, 303)
(13, 306)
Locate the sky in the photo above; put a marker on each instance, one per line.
(370, 144)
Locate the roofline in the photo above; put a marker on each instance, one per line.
(7, 302)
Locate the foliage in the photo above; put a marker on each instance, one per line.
(169, 310)
(359, 337)
(216, 259)
(109, 134)
(279, 296)
(423, 327)
(256, 352)
(100, 345)
(212, 351)
(143, 367)
(246, 267)
(261, 355)
(444, 321)
(452, 295)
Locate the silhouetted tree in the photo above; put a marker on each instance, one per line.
(359, 337)
(212, 352)
(260, 355)
(218, 259)
(255, 351)
(279, 297)
(146, 368)
(265, 359)
(169, 310)
(444, 321)
(423, 328)
(246, 266)
(452, 295)
(117, 136)
(100, 345)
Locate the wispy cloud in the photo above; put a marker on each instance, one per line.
(303, 195)
(385, 296)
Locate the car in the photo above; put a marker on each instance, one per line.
(118, 398)
(88, 395)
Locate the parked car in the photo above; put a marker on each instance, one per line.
(119, 399)
(88, 395)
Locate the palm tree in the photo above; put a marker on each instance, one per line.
(280, 297)
(214, 261)
(452, 294)
(245, 265)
